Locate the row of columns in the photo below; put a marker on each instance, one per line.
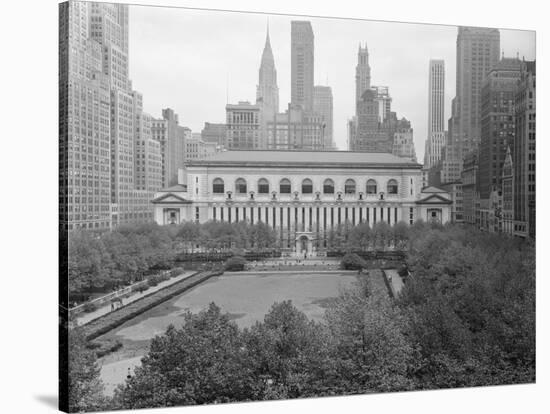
(306, 217)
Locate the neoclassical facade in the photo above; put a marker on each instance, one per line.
(303, 195)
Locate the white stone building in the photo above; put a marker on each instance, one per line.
(302, 194)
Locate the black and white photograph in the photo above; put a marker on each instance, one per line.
(262, 206)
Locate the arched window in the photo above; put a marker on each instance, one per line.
(371, 187)
(307, 186)
(263, 186)
(349, 186)
(217, 186)
(328, 186)
(240, 186)
(284, 186)
(392, 187)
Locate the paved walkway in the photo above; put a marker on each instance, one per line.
(395, 279)
(106, 308)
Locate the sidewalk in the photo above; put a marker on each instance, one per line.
(395, 280)
(105, 309)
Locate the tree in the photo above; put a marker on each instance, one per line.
(351, 261)
(291, 351)
(371, 351)
(205, 361)
(360, 237)
(400, 232)
(85, 387)
(382, 234)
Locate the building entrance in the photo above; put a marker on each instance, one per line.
(304, 245)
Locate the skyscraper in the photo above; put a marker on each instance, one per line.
(524, 156)
(435, 140)
(497, 123)
(84, 124)
(323, 105)
(267, 91)
(362, 72)
(302, 64)
(172, 145)
(477, 51)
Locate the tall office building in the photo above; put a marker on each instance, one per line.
(147, 155)
(109, 26)
(362, 83)
(323, 105)
(84, 124)
(369, 134)
(302, 64)
(243, 121)
(296, 129)
(524, 156)
(435, 140)
(267, 91)
(497, 123)
(477, 51)
(172, 145)
(362, 72)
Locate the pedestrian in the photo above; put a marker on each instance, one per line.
(112, 306)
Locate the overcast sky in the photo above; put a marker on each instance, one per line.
(196, 61)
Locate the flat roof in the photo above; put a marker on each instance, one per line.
(315, 159)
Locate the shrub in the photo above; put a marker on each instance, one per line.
(403, 271)
(235, 264)
(352, 261)
(90, 307)
(108, 347)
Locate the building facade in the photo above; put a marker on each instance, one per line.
(148, 158)
(508, 194)
(436, 113)
(84, 147)
(172, 145)
(216, 133)
(523, 152)
(302, 195)
(296, 129)
(101, 118)
(197, 149)
(497, 123)
(243, 126)
(368, 134)
(302, 64)
(455, 191)
(323, 105)
(477, 52)
(362, 72)
(403, 143)
(469, 188)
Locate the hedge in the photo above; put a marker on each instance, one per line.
(235, 264)
(116, 318)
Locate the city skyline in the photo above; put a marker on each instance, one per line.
(162, 71)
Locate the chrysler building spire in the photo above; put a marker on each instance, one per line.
(267, 91)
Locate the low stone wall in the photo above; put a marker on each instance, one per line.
(114, 319)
